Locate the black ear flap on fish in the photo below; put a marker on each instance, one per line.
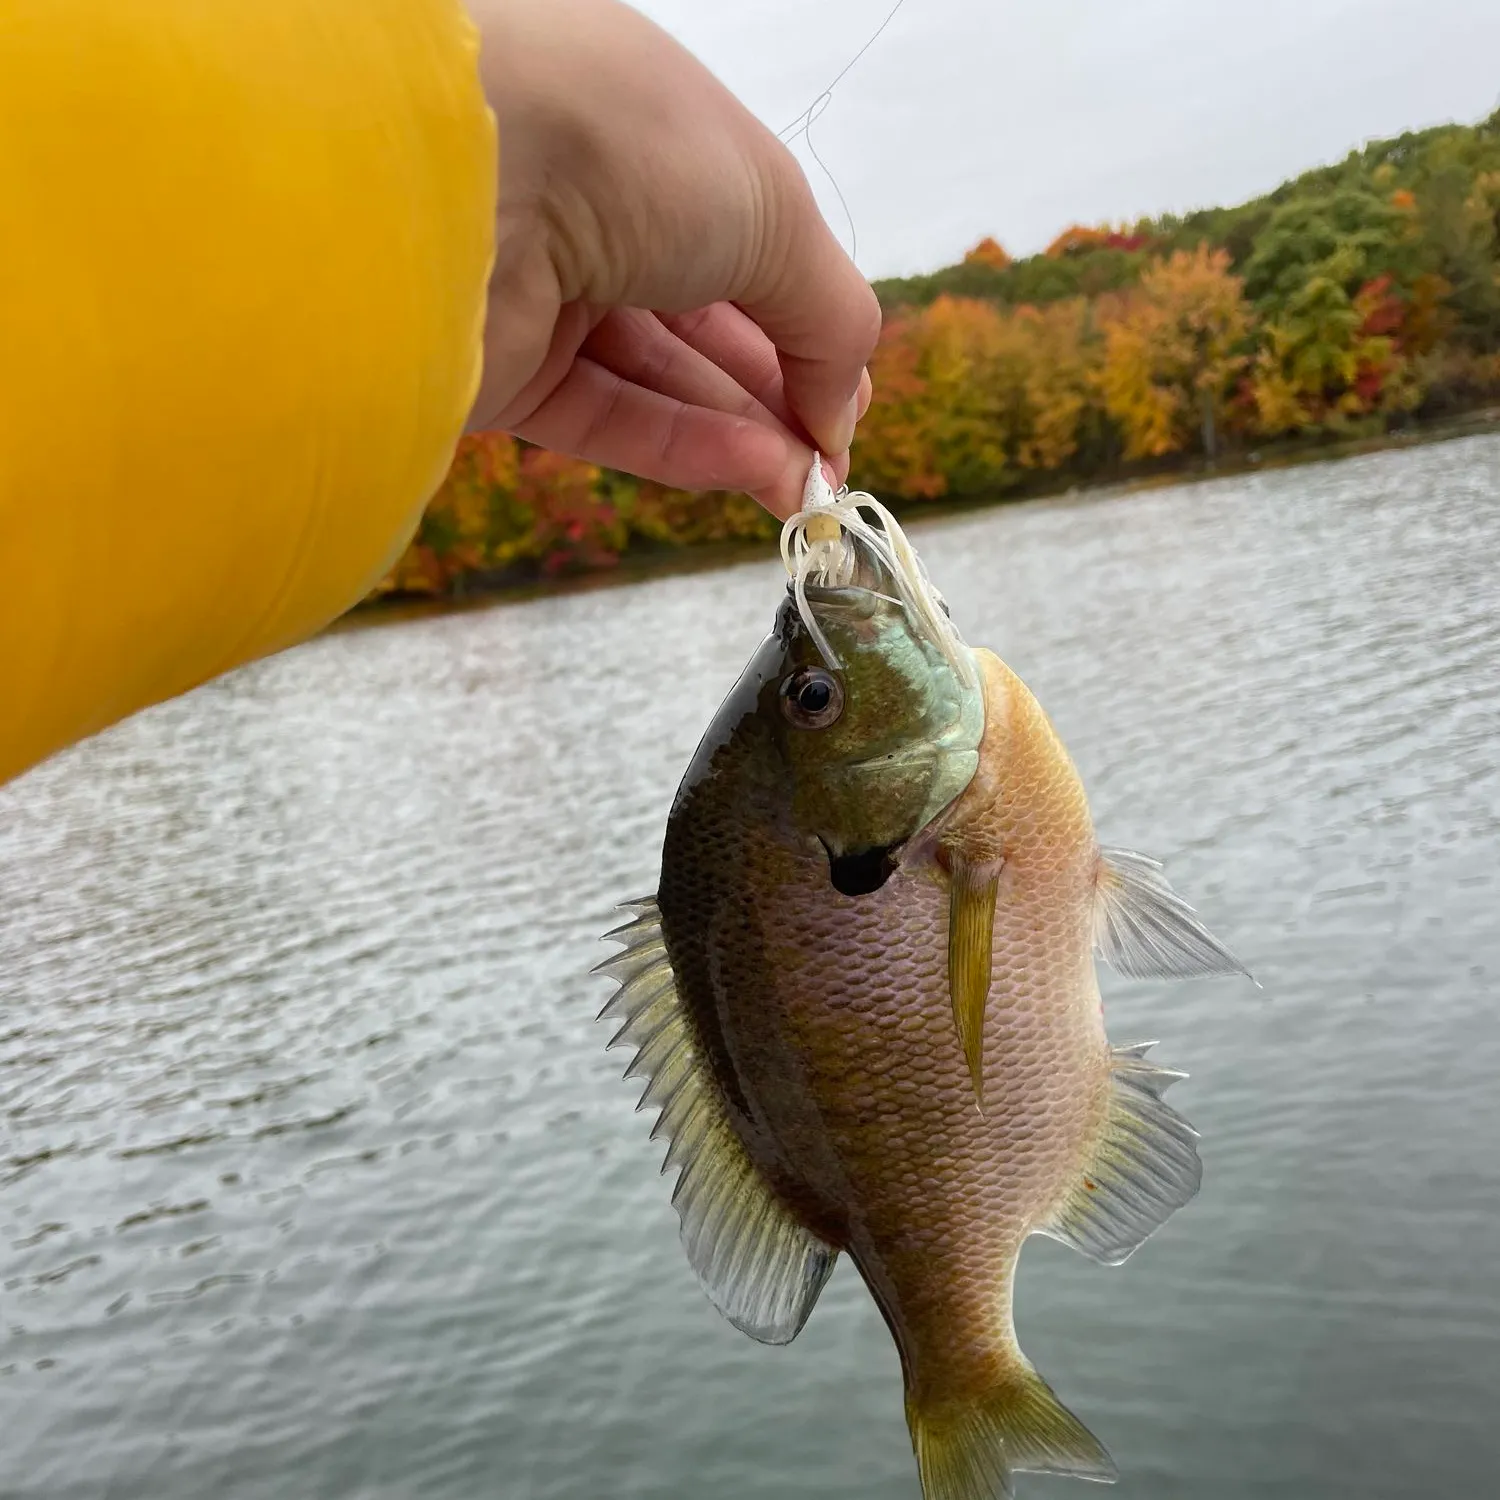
(972, 890)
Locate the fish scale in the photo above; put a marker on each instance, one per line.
(934, 1176)
(866, 1003)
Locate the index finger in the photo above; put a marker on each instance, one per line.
(813, 304)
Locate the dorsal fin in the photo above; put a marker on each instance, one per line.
(757, 1264)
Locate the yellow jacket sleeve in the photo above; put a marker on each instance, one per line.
(243, 254)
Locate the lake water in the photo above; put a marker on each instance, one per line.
(315, 1178)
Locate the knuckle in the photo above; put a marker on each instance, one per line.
(866, 322)
(600, 417)
(670, 440)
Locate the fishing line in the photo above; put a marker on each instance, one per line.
(805, 121)
(821, 101)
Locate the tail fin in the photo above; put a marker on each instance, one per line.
(967, 1450)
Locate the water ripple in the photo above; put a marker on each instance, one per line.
(315, 1178)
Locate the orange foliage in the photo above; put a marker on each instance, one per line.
(1061, 357)
(1172, 352)
(979, 396)
(895, 449)
(1074, 240)
(1077, 239)
(988, 252)
(968, 396)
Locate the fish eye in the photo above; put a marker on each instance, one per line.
(812, 698)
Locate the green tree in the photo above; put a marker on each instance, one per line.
(1352, 235)
(1330, 359)
(1460, 241)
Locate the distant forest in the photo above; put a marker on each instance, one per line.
(1353, 299)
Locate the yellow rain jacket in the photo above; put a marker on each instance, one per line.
(243, 254)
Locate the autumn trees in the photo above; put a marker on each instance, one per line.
(509, 510)
(1347, 299)
(1172, 352)
(988, 252)
(1343, 301)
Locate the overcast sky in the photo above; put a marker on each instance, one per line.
(974, 117)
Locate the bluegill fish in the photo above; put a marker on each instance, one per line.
(865, 1002)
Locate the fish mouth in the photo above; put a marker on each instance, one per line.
(847, 601)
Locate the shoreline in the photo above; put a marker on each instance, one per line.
(636, 567)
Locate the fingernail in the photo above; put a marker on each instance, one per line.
(843, 430)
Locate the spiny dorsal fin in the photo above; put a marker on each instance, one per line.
(757, 1264)
(967, 1450)
(1144, 930)
(971, 932)
(1144, 1168)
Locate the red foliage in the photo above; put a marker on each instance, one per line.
(574, 527)
(1384, 310)
(1078, 239)
(1369, 382)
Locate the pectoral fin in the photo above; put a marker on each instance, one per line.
(757, 1264)
(1144, 930)
(971, 930)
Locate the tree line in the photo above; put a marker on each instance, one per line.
(1352, 299)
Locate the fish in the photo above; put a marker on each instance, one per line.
(864, 1002)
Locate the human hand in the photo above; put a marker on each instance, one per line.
(666, 297)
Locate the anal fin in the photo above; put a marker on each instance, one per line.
(968, 1449)
(760, 1267)
(1145, 1165)
(971, 931)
